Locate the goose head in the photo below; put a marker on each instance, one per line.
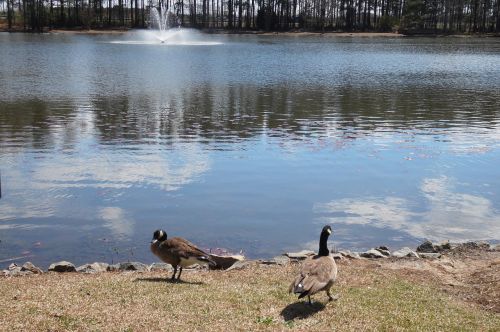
(327, 230)
(159, 235)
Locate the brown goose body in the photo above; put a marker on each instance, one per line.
(178, 252)
(317, 273)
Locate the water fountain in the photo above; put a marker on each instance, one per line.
(165, 29)
(164, 22)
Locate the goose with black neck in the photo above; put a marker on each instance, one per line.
(318, 273)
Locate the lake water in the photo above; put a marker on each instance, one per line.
(246, 143)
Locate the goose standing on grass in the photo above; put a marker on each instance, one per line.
(178, 252)
(318, 272)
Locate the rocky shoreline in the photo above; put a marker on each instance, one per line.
(426, 250)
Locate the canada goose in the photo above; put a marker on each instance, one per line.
(318, 272)
(178, 252)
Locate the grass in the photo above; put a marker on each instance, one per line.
(251, 299)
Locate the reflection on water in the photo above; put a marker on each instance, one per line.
(445, 214)
(389, 140)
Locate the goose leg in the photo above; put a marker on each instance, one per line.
(309, 297)
(180, 271)
(173, 274)
(330, 298)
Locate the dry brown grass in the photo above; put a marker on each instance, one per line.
(471, 275)
(373, 296)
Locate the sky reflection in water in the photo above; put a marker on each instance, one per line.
(256, 159)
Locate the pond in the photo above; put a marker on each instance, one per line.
(246, 143)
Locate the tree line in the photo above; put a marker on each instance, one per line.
(410, 16)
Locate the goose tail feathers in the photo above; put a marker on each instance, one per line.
(207, 259)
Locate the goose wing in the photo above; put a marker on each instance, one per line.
(316, 273)
(185, 249)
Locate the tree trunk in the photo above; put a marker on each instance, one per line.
(240, 14)
(9, 14)
(498, 16)
(109, 13)
(476, 5)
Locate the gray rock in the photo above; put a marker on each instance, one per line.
(240, 265)
(282, 260)
(442, 246)
(13, 266)
(429, 255)
(426, 247)
(113, 268)
(473, 245)
(225, 262)
(28, 266)
(482, 244)
(383, 250)
(93, 268)
(266, 261)
(337, 256)
(278, 260)
(405, 252)
(161, 267)
(300, 255)
(19, 272)
(372, 253)
(133, 266)
(13, 270)
(349, 254)
(495, 247)
(62, 266)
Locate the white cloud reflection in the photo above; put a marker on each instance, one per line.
(117, 221)
(448, 215)
(122, 170)
(47, 189)
(23, 204)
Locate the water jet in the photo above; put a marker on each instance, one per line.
(161, 20)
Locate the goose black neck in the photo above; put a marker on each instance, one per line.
(323, 249)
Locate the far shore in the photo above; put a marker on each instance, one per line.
(257, 33)
(118, 31)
